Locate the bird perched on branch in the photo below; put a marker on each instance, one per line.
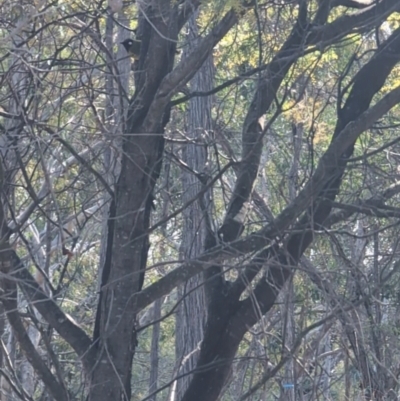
(132, 47)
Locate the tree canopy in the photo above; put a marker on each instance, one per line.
(215, 217)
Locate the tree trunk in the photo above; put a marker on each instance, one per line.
(191, 314)
(154, 354)
(128, 245)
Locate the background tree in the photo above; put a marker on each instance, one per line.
(242, 190)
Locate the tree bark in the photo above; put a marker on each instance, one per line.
(191, 315)
(140, 168)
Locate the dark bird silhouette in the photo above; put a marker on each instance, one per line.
(132, 47)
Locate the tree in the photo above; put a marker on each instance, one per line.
(57, 178)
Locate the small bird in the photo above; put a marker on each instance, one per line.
(132, 47)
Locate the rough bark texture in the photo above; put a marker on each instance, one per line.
(191, 315)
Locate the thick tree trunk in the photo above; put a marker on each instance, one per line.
(116, 111)
(129, 243)
(191, 314)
